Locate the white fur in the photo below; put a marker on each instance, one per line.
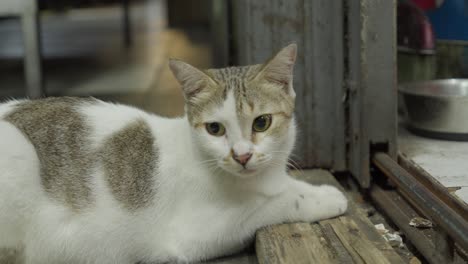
(201, 209)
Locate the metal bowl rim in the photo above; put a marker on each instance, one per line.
(404, 88)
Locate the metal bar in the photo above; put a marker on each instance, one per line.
(455, 226)
(400, 215)
(370, 78)
(32, 54)
(127, 31)
(435, 187)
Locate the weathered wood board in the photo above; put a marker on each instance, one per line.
(351, 238)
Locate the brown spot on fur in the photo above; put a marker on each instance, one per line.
(253, 138)
(251, 105)
(199, 125)
(130, 157)
(61, 139)
(284, 114)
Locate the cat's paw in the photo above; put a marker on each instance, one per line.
(321, 202)
(337, 201)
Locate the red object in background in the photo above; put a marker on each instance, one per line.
(428, 4)
(414, 30)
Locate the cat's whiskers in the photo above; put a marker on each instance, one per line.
(206, 161)
(290, 161)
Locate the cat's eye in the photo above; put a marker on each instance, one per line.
(215, 129)
(261, 123)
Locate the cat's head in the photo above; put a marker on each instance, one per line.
(242, 117)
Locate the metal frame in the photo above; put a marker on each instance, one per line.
(370, 79)
(423, 199)
(433, 186)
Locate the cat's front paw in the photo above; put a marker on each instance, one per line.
(338, 203)
(321, 202)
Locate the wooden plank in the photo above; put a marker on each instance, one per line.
(339, 251)
(292, 243)
(348, 239)
(358, 245)
(318, 177)
(242, 258)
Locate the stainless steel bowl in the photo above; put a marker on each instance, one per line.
(438, 108)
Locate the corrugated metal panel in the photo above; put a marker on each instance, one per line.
(262, 27)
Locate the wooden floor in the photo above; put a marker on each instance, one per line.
(446, 161)
(351, 238)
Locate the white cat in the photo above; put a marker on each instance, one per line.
(84, 181)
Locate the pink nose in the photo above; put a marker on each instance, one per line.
(242, 159)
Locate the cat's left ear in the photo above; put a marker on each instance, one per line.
(279, 69)
(193, 81)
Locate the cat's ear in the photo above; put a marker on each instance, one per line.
(279, 69)
(192, 80)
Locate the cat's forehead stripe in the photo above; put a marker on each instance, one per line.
(62, 146)
(249, 92)
(129, 158)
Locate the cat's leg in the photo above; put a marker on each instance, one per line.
(300, 201)
(19, 185)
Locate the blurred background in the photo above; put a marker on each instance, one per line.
(113, 50)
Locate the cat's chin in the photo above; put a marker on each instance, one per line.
(245, 173)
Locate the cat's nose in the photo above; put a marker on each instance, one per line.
(242, 159)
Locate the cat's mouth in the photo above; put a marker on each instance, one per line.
(247, 171)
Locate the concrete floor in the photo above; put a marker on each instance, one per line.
(84, 55)
(444, 160)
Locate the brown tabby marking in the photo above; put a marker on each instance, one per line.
(129, 157)
(60, 137)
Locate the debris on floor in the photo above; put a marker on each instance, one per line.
(420, 222)
(393, 238)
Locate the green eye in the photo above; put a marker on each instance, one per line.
(261, 123)
(215, 129)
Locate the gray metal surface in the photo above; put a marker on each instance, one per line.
(220, 30)
(370, 79)
(262, 27)
(423, 199)
(401, 214)
(32, 54)
(433, 185)
(437, 108)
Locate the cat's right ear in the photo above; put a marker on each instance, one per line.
(192, 80)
